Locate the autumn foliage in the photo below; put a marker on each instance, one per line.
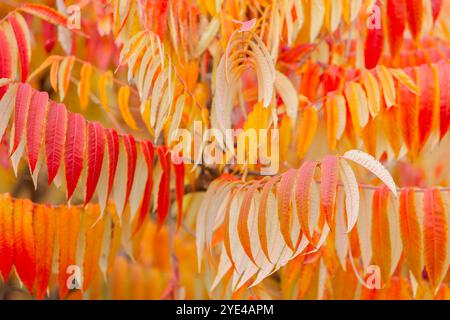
(350, 102)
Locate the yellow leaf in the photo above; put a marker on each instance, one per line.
(401, 76)
(123, 101)
(85, 84)
(64, 73)
(387, 83)
(357, 104)
(373, 93)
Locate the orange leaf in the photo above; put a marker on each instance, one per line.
(242, 226)
(434, 236)
(68, 230)
(381, 239)
(6, 236)
(24, 251)
(262, 215)
(93, 244)
(307, 130)
(284, 205)
(410, 232)
(44, 234)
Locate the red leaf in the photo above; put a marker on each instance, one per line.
(74, 151)
(415, 12)
(149, 155)
(5, 60)
(130, 148)
(427, 100)
(328, 188)
(22, 46)
(48, 35)
(396, 22)
(164, 185)
(179, 186)
(444, 84)
(20, 112)
(6, 236)
(374, 45)
(35, 127)
(55, 132)
(436, 6)
(96, 150)
(46, 13)
(161, 12)
(113, 156)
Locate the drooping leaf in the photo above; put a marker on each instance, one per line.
(351, 190)
(44, 223)
(63, 75)
(328, 186)
(74, 151)
(374, 44)
(21, 107)
(286, 90)
(68, 226)
(242, 225)
(410, 232)
(304, 180)
(48, 35)
(178, 168)
(55, 135)
(370, 163)
(357, 104)
(112, 139)
(93, 244)
(381, 239)
(95, 152)
(5, 59)
(436, 6)
(104, 82)
(444, 84)
(429, 101)
(307, 130)
(262, 216)
(396, 23)
(123, 101)
(22, 35)
(164, 185)
(6, 236)
(24, 246)
(434, 236)
(285, 212)
(131, 152)
(414, 11)
(46, 13)
(149, 154)
(85, 84)
(7, 104)
(35, 126)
